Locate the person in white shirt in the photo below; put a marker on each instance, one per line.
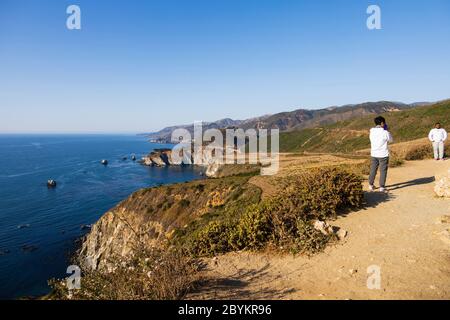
(379, 151)
(438, 136)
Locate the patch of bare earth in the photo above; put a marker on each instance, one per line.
(402, 233)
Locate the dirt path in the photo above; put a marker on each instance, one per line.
(400, 233)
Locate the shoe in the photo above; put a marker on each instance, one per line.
(383, 190)
(371, 188)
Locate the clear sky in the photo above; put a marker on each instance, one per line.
(140, 65)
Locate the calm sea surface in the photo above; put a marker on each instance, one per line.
(39, 226)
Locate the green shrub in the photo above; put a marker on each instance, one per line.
(285, 220)
(211, 240)
(308, 240)
(322, 192)
(252, 230)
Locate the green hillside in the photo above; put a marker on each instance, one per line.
(348, 136)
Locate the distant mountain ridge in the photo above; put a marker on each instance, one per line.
(295, 120)
(353, 134)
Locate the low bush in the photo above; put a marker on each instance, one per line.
(322, 192)
(211, 239)
(419, 153)
(252, 230)
(285, 220)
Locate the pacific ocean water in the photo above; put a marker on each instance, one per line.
(39, 226)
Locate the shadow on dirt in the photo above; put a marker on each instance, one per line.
(415, 182)
(236, 286)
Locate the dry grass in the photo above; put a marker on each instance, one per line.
(151, 274)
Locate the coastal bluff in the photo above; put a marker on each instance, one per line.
(152, 217)
(209, 167)
(158, 158)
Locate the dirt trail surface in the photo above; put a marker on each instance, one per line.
(400, 232)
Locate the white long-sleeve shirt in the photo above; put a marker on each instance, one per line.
(379, 140)
(437, 135)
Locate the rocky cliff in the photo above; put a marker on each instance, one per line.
(151, 216)
(211, 167)
(159, 158)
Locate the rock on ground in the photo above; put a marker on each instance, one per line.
(442, 186)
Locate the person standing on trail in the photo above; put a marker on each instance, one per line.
(437, 136)
(379, 151)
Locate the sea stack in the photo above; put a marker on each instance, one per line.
(51, 183)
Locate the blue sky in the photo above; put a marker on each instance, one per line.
(140, 65)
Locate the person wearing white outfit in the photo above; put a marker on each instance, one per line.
(438, 136)
(380, 137)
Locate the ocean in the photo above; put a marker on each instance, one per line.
(39, 226)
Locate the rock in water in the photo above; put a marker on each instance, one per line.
(29, 248)
(442, 186)
(4, 252)
(51, 183)
(158, 158)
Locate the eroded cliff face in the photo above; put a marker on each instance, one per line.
(159, 158)
(117, 234)
(150, 217)
(211, 166)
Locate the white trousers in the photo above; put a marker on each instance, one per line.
(438, 148)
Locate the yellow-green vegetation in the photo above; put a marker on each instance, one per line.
(174, 206)
(351, 135)
(284, 221)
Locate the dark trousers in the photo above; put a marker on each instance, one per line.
(381, 163)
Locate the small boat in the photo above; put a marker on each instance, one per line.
(51, 183)
(104, 162)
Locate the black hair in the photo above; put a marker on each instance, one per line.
(437, 123)
(379, 120)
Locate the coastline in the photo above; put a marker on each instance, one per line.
(54, 218)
